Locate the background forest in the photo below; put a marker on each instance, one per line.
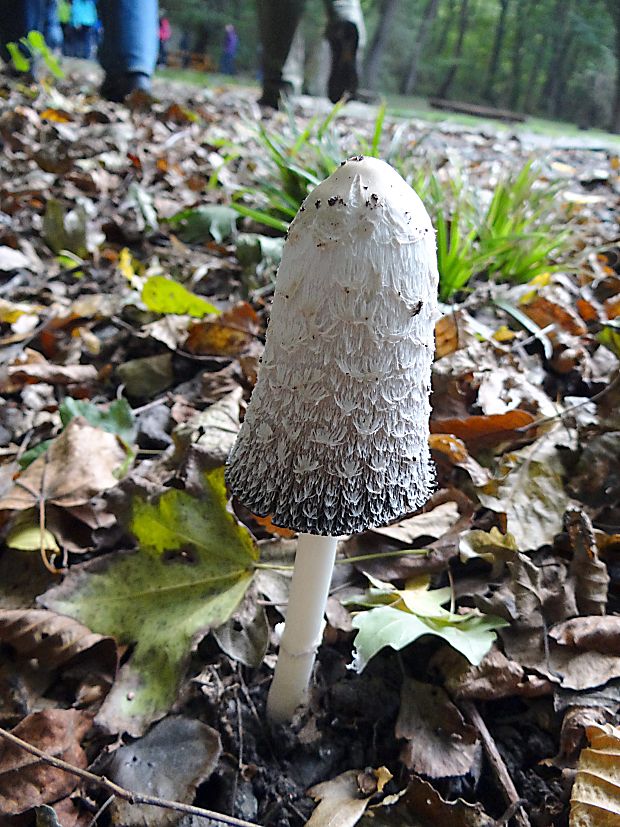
(555, 58)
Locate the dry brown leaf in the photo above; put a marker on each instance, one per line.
(494, 677)
(79, 464)
(484, 429)
(53, 639)
(595, 797)
(589, 573)
(25, 780)
(446, 335)
(48, 373)
(232, 333)
(433, 523)
(545, 312)
(595, 634)
(454, 451)
(439, 742)
(344, 799)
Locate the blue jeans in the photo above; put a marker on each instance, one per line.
(130, 36)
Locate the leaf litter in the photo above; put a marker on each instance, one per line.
(134, 305)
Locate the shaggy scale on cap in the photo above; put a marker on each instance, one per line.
(335, 438)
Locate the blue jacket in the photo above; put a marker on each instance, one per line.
(83, 13)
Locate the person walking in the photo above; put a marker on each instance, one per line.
(129, 47)
(83, 22)
(229, 50)
(165, 33)
(278, 21)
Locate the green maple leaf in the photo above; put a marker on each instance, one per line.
(193, 566)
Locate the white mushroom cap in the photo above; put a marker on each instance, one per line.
(335, 438)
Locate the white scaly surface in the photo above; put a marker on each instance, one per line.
(335, 438)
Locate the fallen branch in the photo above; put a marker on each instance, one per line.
(497, 765)
(121, 792)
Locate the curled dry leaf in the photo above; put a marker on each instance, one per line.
(589, 573)
(344, 799)
(79, 464)
(485, 430)
(494, 677)
(595, 797)
(439, 742)
(545, 312)
(454, 451)
(598, 634)
(48, 373)
(53, 639)
(434, 523)
(25, 780)
(422, 805)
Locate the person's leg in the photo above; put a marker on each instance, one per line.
(130, 45)
(346, 35)
(277, 22)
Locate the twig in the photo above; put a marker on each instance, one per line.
(497, 764)
(121, 792)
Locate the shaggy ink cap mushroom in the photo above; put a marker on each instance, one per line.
(335, 438)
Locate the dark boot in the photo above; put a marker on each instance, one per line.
(343, 39)
(116, 87)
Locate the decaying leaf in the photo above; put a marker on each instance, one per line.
(596, 634)
(27, 781)
(595, 797)
(438, 741)
(192, 568)
(233, 333)
(493, 546)
(344, 799)
(422, 806)
(529, 490)
(170, 762)
(589, 572)
(494, 677)
(53, 639)
(433, 523)
(82, 462)
(454, 451)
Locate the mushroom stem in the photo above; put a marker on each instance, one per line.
(303, 630)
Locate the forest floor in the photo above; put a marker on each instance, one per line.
(122, 395)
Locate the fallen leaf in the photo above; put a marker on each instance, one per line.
(50, 374)
(454, 451)
(216, 221)
(145, 377)
(588, 571)
(62, 476)
(439, 742)
(595, 796)
(486, 430)
(492, 546)
(25, 780)
(421, 805)
(213, 430)
(53, 639)
(245, 635)
(598, 634)
(163, 295)
(529, 489)
(192, 568)
(11, 259)
(170, 762)
(545, 312)
(434, 523)
(344, 799)
(230, 335)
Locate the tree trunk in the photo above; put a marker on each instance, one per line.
(498, 42)
(379, 42)
(440, 45)
(614, 12)
(557, 55)
(430, 12)
(444, 89)
(523, 11)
